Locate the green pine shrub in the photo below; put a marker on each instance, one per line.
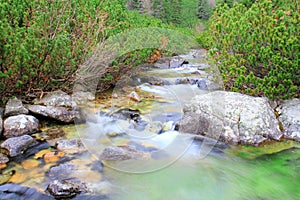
(43, 43)
(257, 48)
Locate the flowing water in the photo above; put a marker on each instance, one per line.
(175, 165)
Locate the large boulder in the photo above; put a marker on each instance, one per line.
(19, 125)
(232, 117)
(16, 145)
(14, 106)
(57, 99)
(62, 114)
(58, 106)
(289, 116)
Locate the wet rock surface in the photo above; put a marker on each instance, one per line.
(201, 83)
(233, 117)
(289, 113)
(71, 146)
(17, 192)
(66, 188)
(17, 145)
(61, 114)
(3, 159)
(30, 150)
(57, 99)
(20, 125)
(58, 106)
(113, 153)
(62, 171)
(14, 107)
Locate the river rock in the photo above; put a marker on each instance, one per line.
(176, 62)
(71, 146)
(173, 62)
(63, 114)
(17, 192)
(3, 159)
(232, 117)
(290, 118)
(62, 171)
(19, 125)
(14, 107)
(121, 153)
(66, 188)
(57, 99)
(17, 145)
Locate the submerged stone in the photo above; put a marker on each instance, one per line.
(71, 146)
(121, 153)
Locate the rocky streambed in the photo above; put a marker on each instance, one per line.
(165, 130)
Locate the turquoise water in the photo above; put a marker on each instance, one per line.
(274, 176)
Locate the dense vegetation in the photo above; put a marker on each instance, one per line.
(257, 48)
(44, 42)
(179, 12)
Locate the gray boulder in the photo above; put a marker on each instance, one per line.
(62, 114)
(232, 117)
(57, 99)
(71, 146)
(56, 105)
(19, 125)
(14, 107)
(16, 145)
(289, 116)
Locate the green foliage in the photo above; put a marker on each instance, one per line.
(182, 13)
(257, 49)
(44, 42)
(204, 10)
(247, 3)
(168, 10)
(204, 39)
